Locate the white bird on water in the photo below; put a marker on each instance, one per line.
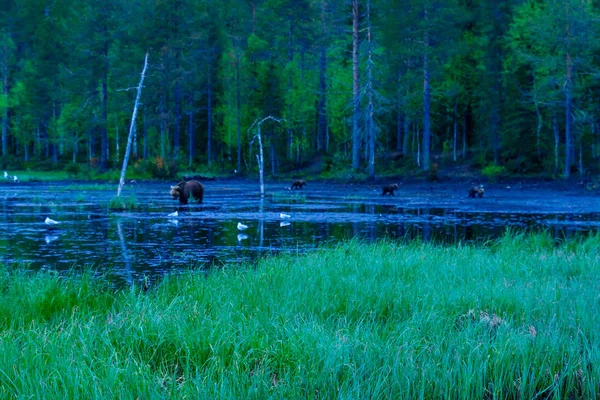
(241, 236)
(284, 223)
(15, 179)
(49, 221)
(173, 214)
(5, 175)
(282, 215)
(241, 226)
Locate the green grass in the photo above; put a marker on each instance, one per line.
(93, 187)
(44, 176)
(124, 203)
(292, 197)
(514, 319)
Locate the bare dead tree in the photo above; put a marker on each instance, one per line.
(132, 127)
(259, 156)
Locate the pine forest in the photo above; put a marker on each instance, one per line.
(368, 86)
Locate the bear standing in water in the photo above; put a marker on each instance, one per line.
(476, 191)
(389, 189)
(298, 184)
(184, 190)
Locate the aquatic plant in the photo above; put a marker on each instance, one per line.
(513, 319)
(285, 197)
(124, 203)
(85, 187)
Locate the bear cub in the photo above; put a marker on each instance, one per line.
(298, 184)
(389, 189)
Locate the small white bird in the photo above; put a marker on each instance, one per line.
(284, 223)
(15, 179)
(173, 214)
(174, 221)
(282, 215)
(241, 236)
(241, 226)
(49, 221)
(5, 175)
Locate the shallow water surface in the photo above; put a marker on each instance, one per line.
(146, 241)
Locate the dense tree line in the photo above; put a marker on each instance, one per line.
(360, 84)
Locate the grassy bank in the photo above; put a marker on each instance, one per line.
(515, 319)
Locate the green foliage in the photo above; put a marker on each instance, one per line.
(493, 172)
(494, 68)
(124, 203)
(73, 169)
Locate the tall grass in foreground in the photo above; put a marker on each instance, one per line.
(515, 319)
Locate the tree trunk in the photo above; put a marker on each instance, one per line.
(132, 127)
(5, 110)
(464, 137)
(177, 130)
(406, 138)
(90, 147)
(192, 151)
(426, 116)
(272, 157)
(104, 123)
(135, 144)
(322, 103)
(75, 146)
(426, 95)
(399, 121)
(370, 121)
(580, 164)
(539, 126)
(116, 141)
(355, 87)
(290, 132)
(455, 130)
(495, 135)
(209, 133)
(145, 134)
(239, 113)
(54, 138)
(556, 142)
(568, 134)
(497, 88)
(163, 127)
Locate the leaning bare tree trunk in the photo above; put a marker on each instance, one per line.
(132, 127)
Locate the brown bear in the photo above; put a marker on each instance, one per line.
(184, 190)
(298, 184)
(389, 189)
(476, 191)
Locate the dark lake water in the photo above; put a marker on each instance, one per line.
(147, 242)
